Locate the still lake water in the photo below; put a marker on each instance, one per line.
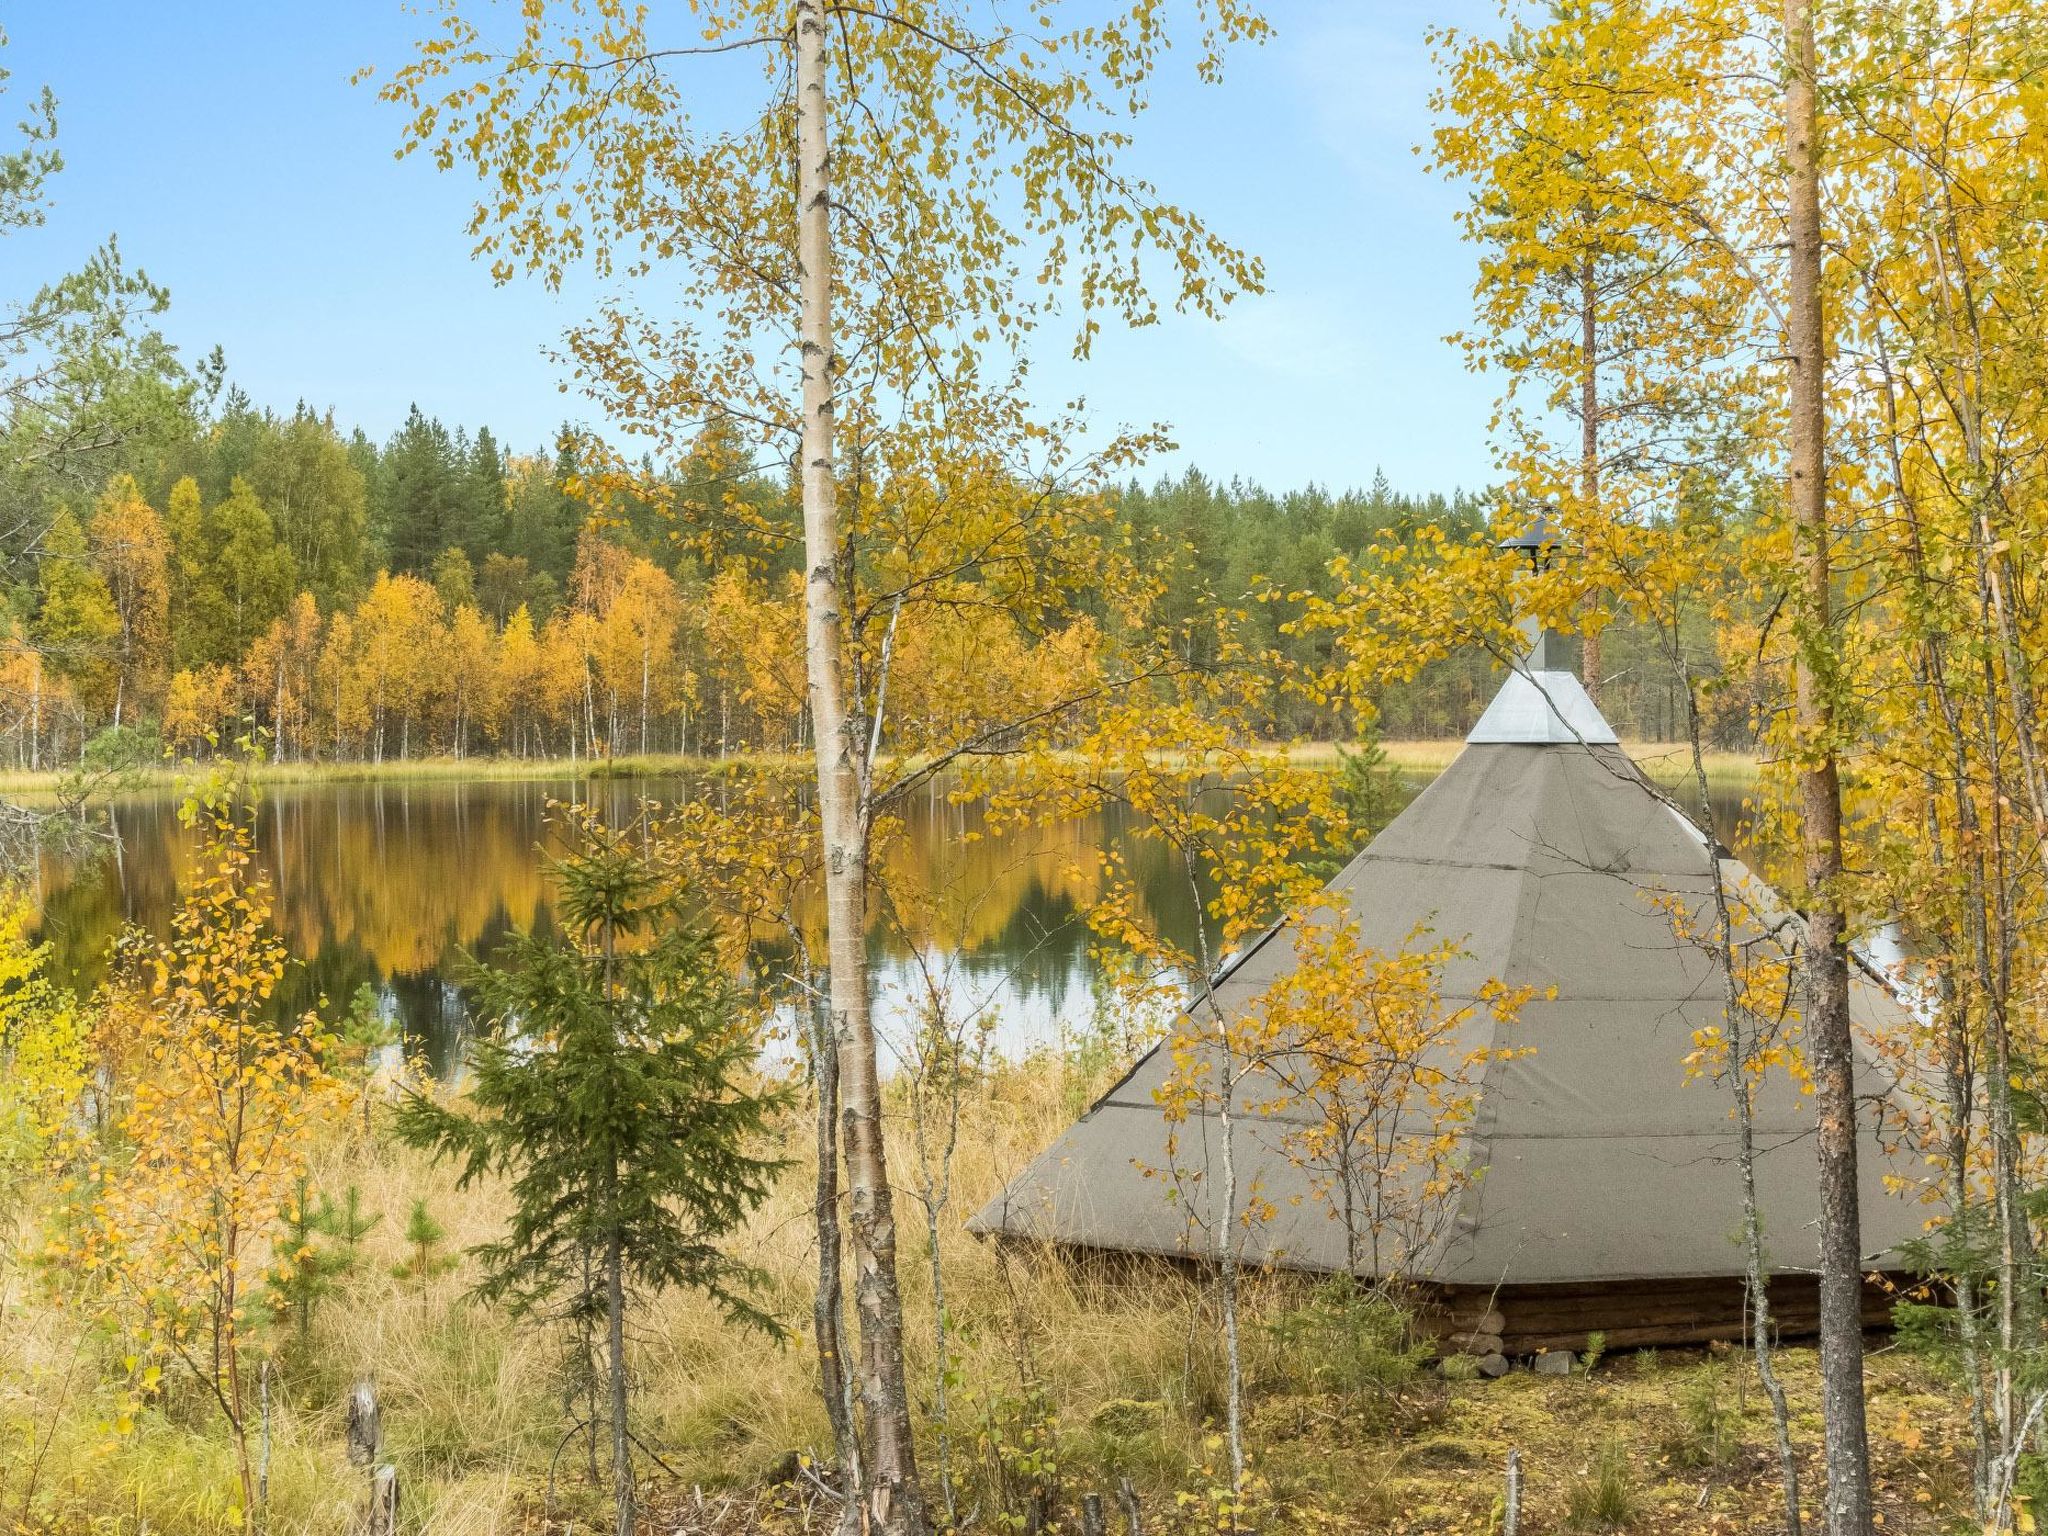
(392, 885)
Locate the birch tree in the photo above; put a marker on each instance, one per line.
(1238, 827)
(1941, 170)
(857, 248)
(227, 1106)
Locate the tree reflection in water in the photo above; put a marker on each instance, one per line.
(391, 884)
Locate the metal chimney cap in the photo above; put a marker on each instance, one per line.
(1539, 541)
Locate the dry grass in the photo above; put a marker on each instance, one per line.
(475, 1415)
(1670, 764)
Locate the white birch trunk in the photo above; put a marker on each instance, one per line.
(894, 1501)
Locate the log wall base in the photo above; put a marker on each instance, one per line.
(1519, 1320)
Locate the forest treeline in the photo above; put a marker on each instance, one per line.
(440, 594)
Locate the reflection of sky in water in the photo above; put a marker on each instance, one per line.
(393, 885)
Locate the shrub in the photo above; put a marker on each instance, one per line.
(1934, 1333)
(1018, 1460)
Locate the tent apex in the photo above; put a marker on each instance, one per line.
(1542, 706)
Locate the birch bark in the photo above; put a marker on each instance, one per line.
(894, 1501)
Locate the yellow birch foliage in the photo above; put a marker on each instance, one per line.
(1372, 1076)
(1587, 138)
(227, 1105)
(1762, 954)
(1222, 824)
(197, 706)
(132, 553)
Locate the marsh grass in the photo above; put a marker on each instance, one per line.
(167, 776)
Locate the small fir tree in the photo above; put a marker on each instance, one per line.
(303, 1272)
(349, 1223)
(1368, 785)
(615, 1092)
(424, 1235)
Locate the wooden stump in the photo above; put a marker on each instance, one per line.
(365, 1424)
(384, 1501)
(1127, 1496)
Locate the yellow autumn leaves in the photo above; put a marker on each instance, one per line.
(179, 1114)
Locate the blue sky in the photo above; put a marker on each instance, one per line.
(223, 141)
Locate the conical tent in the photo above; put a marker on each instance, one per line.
(1604, 1189)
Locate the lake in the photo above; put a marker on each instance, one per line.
(392, 884)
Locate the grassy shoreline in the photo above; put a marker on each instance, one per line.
(426, 770)
(1663, 761)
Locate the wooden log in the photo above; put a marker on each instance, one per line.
(1638, 1314)
(1091, 1515)
(1460, 1315)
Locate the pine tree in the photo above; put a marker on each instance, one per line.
(314, 489)
(304, 1272)
(424, 1234)
(541, 519)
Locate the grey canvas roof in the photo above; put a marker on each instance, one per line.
(1544, 853)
